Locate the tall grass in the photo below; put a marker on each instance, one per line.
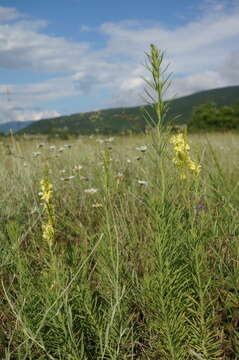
(144, 264)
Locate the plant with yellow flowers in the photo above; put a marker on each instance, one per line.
(182, 157)
(46, 197)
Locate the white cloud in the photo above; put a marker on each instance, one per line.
(36, 94)
(229, 69)
(24, 47)
(188, 46)
(204, 52)
(27, 114)
(10, 113)
(197, 82)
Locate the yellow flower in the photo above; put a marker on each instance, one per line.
(182, 158)
(46, 191)
(48, 232)
(48, 228)
(194, 167)
(97, 205)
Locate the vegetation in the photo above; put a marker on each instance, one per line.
(120, 248)
(209, 117)
(139, 269)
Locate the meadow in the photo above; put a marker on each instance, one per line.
(108, 252)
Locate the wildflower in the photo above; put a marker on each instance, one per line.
(97, 205)
(84, 178)
(90, 191)
(68, 178)
(194, 167)
(77, 168)
(52, 147)
(61, 149)
(36, 153)
(48, 232)
(109, 140)
(119, 178)
(34, 210)
(142, 148)
(67, 146)
(45, 194)
(120, 175)
(142, 182)
(128, 161)
(182, 158)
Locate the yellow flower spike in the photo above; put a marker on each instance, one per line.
(48, 228)
(182, 158)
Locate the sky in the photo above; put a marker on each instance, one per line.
(66, 56)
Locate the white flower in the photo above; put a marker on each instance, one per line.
(61, 149)
(109, 140)
(142, 182)
(77, 168)
(142, 148)
(52, 147)
(120, 175)
(90, 191)
(128, 161)
(68, 178)
(68, 146)
(34, 210)
(36, 153)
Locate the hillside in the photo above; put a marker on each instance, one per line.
(123, 120)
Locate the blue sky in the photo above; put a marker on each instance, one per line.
(66, 56)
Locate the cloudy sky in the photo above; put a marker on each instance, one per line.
(66, 56)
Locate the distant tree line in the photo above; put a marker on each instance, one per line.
(209, 117)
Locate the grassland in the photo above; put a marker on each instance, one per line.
(146, 266)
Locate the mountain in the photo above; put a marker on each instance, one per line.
(123, 120)
(14, 125)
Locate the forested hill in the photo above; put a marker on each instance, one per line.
(125, 120)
